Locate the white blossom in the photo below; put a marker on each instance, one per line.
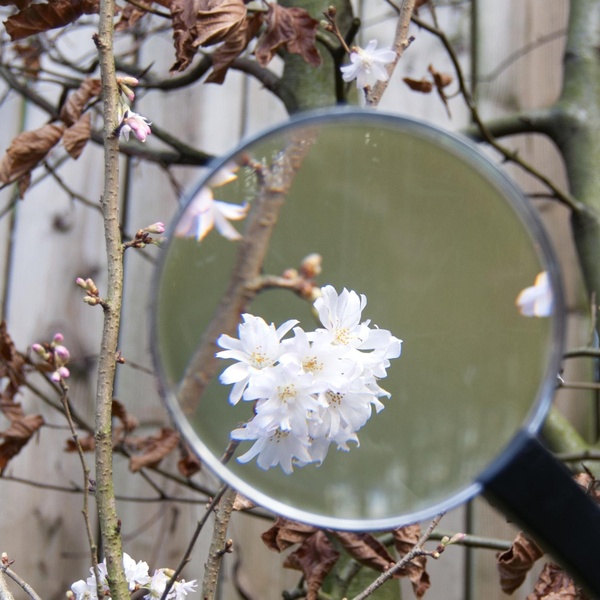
(537, 300)
(366, 62)
(310, 391)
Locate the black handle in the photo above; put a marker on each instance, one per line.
(539, 493)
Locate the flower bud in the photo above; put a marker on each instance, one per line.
(91, 300)
(155, 228)
(61, 354)
(311, 266)
(58, 338)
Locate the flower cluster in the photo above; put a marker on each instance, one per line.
(311, 390)
(366, 62)
(129, 121)
(138, 577)
(204, 212)
(56, 355)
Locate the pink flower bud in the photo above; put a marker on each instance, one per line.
(61, 354)
(81, 283)
(64, 372)
(58, 338)
(155, 228)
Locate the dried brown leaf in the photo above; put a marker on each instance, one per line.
(77, 100)
(30, 53)
(516, 562)
(441, 80)
(36, 18)
(12, 367)
(286, 533)
(242, 503)
(315, 558)
(17, 436)
(76, 137)
(366, 549)
(203, 23)
(23, 184)
(155, 448)
(189, 464)
(131, 15)
(291, 28)
(419, 85)
(20, 4)
(87, 443)
(120, 412)
(589, 484)
(224, 56)
(554, 584)
(405, 539)
(27, 150)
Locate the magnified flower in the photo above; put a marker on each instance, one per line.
(204, 212)
(366, 62)
(537, 300)
(310, 391)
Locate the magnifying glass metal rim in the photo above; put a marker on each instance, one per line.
(471, 155)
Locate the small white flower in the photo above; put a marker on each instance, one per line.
(83, 590)
(135, 573)
(157, 585)
(204, 212)
(537, 300)
(366, 62)
(182, 588)
(257, 348)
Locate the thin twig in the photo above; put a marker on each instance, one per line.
(416, 551)
(20, 582)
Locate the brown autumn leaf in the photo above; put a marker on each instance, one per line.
(27, 150)
(405, 539)
(155, 448)
(366, 549)
(20, 4)
(203, 23)
(130, 15)
(242, 503)
(23, 184)
(292, 28)
(87, 443)
(12, 367)
(315, 558)
(419, 85)
(37, 18)
(516, 562)
(76, 137)
(17, 436)
(120, 412)
(554, 584)
(77, 100)
(189, 464)
(224, 56)
(29, 53)
(286, 533)
(441, 80)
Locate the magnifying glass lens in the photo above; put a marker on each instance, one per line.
(439, 243)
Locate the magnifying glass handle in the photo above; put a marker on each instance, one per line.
(539, 492)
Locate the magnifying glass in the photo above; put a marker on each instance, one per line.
(358, 324)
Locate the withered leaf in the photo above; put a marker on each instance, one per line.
(286, 533)
(366, 549)
(419, 85)
(27, 150)
(87, 443)
(588, 484)
(77, 100)
(76, 137)
(315, 558)
(292, 28)
(17, 436)
(189, 464)
(120, 412)
(554, 584)
(516, 562)
(405, 539)
(242, 503)
(131, 15)
(155, 449)
(224, 56)
(203, 23)
(23, 184)
(20, 4)
(12, 366)
(37, 18)
(441, 80)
